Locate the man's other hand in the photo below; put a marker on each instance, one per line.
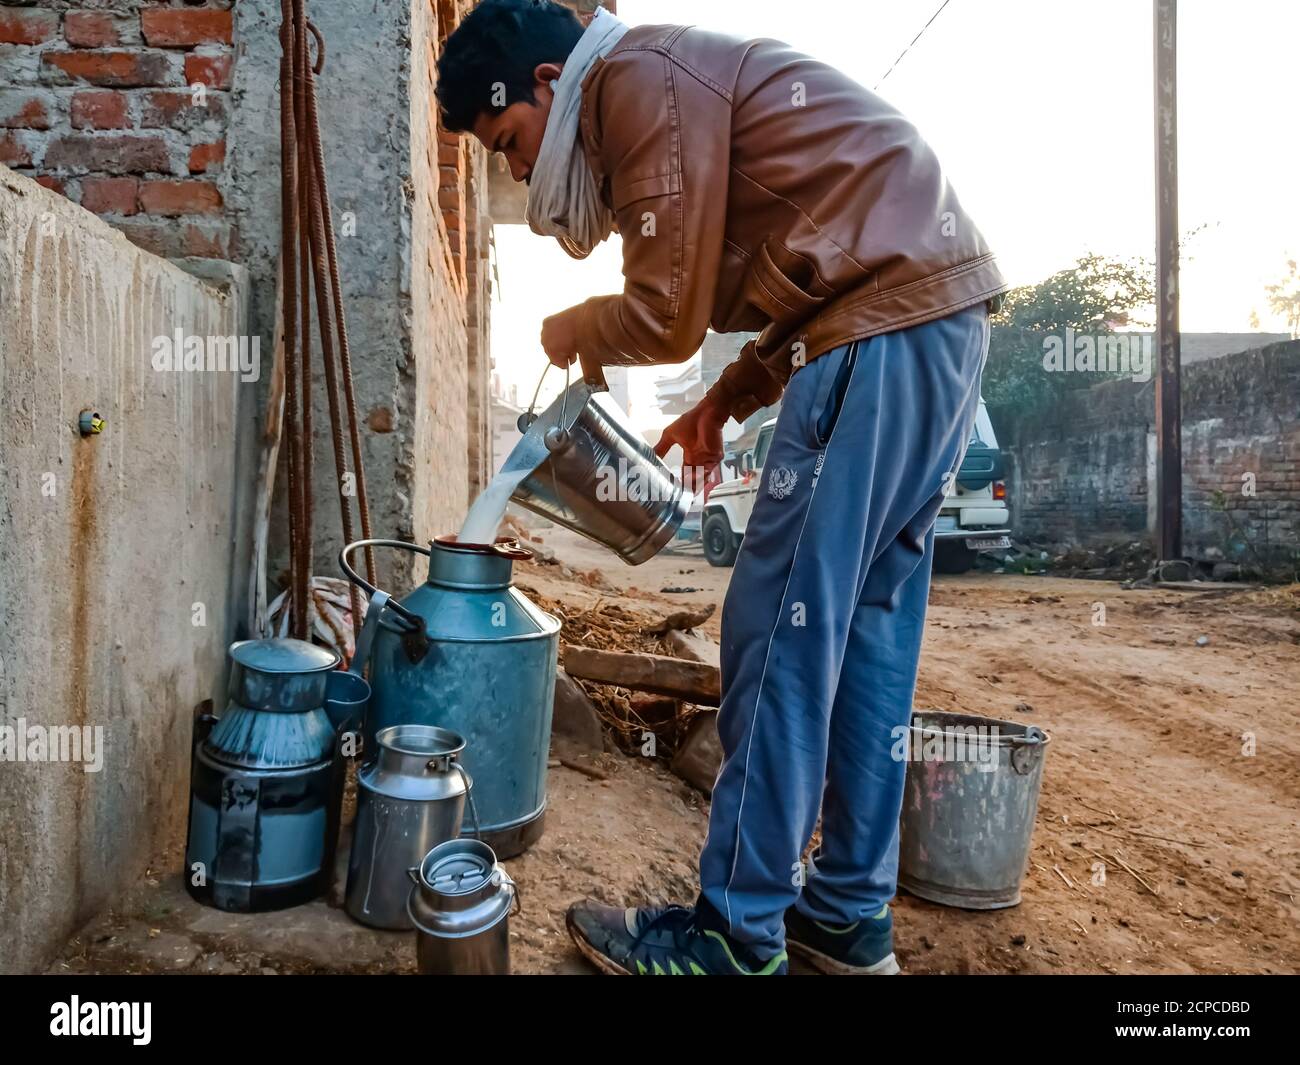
(560, 337)
(699, 432)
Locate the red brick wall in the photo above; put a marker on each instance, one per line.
(1078, 473)
(122, 106)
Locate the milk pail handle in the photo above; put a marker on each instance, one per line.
(414, 624)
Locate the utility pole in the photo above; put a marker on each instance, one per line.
(1169, 418)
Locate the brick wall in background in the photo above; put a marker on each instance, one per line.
(123, 106)
(1082, 474)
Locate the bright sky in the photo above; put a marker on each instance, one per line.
(1040, 111)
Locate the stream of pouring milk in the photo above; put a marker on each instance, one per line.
(485, 516)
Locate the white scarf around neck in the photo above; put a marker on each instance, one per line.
(563, 200)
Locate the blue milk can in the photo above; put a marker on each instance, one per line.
(467, 651)
(266, 782)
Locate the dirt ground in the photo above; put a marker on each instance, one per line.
(1174, 764)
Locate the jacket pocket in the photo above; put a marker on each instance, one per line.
(786, 293)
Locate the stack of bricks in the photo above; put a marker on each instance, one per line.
(122, 106)
(453, 157)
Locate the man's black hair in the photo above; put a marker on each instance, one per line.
(498, 46)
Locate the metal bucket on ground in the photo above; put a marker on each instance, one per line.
(460, 905)
(596, 475)
(969, 805)
(410, 798)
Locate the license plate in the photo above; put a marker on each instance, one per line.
(988, 543)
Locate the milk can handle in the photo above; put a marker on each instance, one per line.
(526, 420)
(517, 905)
(203, 726)
(361, 653)
(469, 797)
(413, 620)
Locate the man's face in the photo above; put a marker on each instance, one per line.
(518, 130)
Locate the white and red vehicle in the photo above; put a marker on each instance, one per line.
(974, 516)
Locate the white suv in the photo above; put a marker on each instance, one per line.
(973, 518)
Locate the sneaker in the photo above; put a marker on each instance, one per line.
(864, 948)
(666, 941)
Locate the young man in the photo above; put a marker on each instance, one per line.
(757, 189)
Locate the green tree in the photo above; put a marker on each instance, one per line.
(1284, 299)
(1096, 295)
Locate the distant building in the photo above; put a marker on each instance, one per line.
(503, 425)
(679, 393)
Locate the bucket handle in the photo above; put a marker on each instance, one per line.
(418, 642)
(516, 895)
(1026, 750)
(557, 436)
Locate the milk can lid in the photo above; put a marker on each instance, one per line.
(459, 868)
(459, 873)
(460, 890)
(283, 655)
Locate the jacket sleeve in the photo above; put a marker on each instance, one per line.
(669, 195)
(747, 385)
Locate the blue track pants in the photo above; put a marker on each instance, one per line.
(821, 628)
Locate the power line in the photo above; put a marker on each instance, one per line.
(909, 47)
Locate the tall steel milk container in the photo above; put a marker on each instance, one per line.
(467, 651)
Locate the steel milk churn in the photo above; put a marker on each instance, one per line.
(467, 651)
(460, 906)
(266, 782)
(410, 798)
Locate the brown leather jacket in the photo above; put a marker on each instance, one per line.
(757, 189)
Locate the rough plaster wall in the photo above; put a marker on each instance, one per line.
(364, 123)
(98, 581)
(406, 318)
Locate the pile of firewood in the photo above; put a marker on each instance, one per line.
(625, 661)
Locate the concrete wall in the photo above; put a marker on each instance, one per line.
(1082, 475)
(118, 552)
(365, 129)
(98, 102)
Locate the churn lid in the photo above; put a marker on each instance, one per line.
(282, 675)
(459, 874)
(460, 889)
(283, 655)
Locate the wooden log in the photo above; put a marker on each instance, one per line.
(683, 619)
(696, 682)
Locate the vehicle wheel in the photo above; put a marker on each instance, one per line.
(720, 544)
(953, 556)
